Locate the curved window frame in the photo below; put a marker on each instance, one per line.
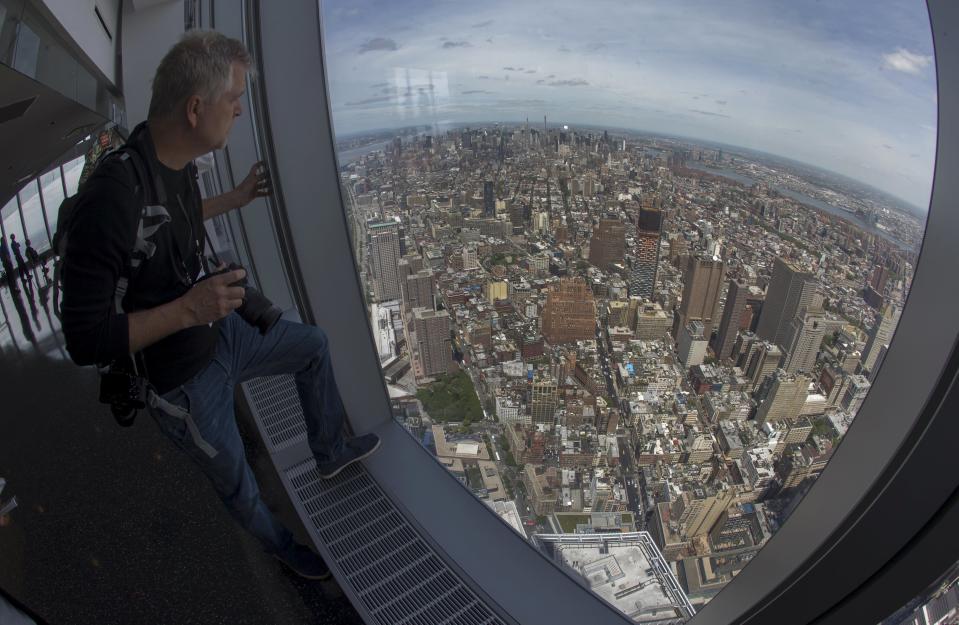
(850, 541)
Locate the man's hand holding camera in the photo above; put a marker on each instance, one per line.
(213, 298)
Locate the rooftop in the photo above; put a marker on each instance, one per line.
(626, 570)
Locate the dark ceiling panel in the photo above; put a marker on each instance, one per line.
(37, 125)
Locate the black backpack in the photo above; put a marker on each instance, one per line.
(138, 173)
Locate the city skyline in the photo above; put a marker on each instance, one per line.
(851, 93)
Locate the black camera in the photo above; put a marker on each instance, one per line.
(125, 392)
(256, 309)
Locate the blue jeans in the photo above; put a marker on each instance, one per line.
(198, 416)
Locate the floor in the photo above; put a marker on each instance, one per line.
(113, 524)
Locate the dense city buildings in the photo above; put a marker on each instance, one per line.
(612, 334)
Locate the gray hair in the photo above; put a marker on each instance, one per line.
(201, 63)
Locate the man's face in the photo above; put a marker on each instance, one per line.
(216, 117)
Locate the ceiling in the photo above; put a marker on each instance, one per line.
(37, 126)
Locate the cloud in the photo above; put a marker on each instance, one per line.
(563, 49)
(721, 102)
(574, 82)
(378, 43)
(887, 146)
(483, 24)
(905, 61)
(531, 71)
(708, 113)
(457, 44)
(594, 46)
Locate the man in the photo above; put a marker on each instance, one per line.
(21, 264)
(194, 348)
(33, 258)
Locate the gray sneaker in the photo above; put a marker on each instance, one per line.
(354, 449)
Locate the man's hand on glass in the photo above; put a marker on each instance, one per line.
(256, 184)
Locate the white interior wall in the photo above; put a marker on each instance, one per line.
(148, 33)
(80, 21)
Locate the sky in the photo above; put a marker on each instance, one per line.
(847, 86)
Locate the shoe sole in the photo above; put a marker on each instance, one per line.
(327, 476)
(319, 578)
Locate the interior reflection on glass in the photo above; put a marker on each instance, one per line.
(634, 287)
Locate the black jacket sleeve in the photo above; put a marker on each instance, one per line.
(99, 244)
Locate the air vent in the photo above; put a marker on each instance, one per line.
(9, 112)
(279, 412)
(392, 574)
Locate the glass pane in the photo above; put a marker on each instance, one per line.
(72, 171)
(36, 234)
(10, 11)
(52, 188)
(636, 284)
(11, 220)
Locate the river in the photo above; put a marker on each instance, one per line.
(799, 197)
(346, 157)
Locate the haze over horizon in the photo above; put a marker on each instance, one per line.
(847, 90)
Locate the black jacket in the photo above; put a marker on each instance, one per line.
(99, 245)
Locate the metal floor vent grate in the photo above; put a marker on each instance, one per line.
(394, 572)
(278, 408)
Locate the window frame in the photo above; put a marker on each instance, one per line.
(858, 524)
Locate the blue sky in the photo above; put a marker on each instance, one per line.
(849, 86)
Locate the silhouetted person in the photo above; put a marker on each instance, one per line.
(33, 258)
(7, 265)
(21, 263)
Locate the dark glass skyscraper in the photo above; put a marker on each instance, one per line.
(642, 279)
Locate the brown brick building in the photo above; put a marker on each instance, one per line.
(570, 312)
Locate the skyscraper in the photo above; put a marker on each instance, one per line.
(489, 200)
(420, 290)
(384, 260)
(431, 353)
(570, 312)
(879, 335)
(608, 243)
(544, 400)
(784, 399)
(805, 334)
(763, 362)
(702, 284)
(642, 279)
(729, 324)
(790, 289)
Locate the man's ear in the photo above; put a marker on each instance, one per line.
(194, 106)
